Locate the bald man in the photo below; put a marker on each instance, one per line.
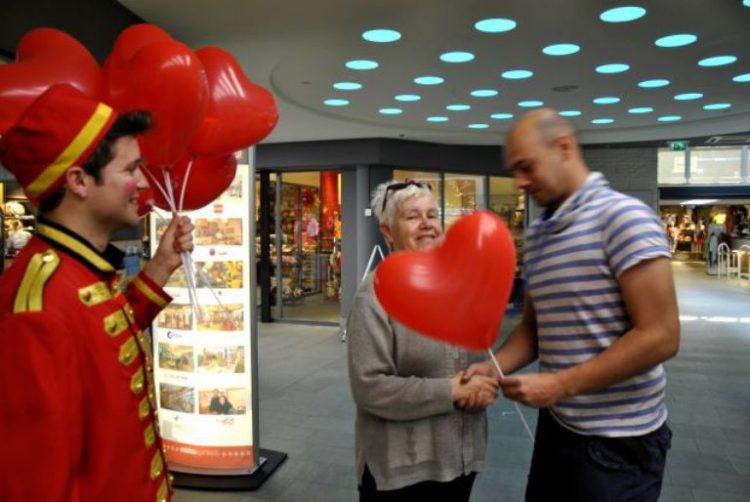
(600, 313)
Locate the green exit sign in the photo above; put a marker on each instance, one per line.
(678, 146)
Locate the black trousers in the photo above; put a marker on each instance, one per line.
(457, 490)
(571, 467)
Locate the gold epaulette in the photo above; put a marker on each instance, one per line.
(30, 295)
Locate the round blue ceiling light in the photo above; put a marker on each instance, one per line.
(688, 96)
(347, 86)
(606, 100)
(678, 40)
(381, 35)
(745, 77)
(717, 61)
(361, 64)
(530, 103)
(336, 102)
(495, 25)
(561, 49)
(746, 3)
(640, 110)
(437, 119)
(717, 106)
(391, 111)
(669, 118)
(456, 57)
(602, 121)
(612, 68)
(569, 113)
(517, 74)
(429, 80)
(622, 14)
(478, 126)
(501, 116)
(657, 82)
(407, 97)
(484, 93)
(458, 108)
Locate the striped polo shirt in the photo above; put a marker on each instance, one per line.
(572, 261)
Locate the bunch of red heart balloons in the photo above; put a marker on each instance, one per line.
(204, 108)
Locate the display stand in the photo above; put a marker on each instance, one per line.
(206, 349)
(269, 461)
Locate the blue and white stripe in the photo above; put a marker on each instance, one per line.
(573, 260)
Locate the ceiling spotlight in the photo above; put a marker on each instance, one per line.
(679, 40)
(361, 64)
(561, 49)
(517, 74)
(612, 68)
(347, 86)
(457, 57)
(717, 61)
(381, 36)
(429, 80)
(622, 14)
(495, 25)
(336, 102)
(657, 82)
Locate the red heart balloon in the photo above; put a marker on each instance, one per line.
(167, 79)
(209, 178)
(240, 113)
(45, 56)
(129, 42)
(458, 291)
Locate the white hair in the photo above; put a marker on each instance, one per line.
(386, 215)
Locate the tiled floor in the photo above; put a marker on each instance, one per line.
(306, 410)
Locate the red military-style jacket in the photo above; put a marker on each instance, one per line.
(77, 407)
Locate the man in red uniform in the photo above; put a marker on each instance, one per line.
(77, 419)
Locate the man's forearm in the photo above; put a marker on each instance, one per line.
(635, 353)
(519, 350)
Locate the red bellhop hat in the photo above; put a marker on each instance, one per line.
(60, 129)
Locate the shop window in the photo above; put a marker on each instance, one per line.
(508, 202)
(671, 167)
(715, 165)
(433, 179)
(464, 194)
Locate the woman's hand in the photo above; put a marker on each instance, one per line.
(475, 393)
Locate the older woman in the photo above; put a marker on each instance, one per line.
(420, 430)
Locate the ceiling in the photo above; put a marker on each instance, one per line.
(298, 49)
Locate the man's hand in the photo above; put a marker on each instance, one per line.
(475, 393)
(538, 390)
(485, 368)
(177, 239)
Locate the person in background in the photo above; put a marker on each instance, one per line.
(600, 313)
(78, 420)
(420, 432)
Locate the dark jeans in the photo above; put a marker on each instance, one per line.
(568, 466)
(457, 490)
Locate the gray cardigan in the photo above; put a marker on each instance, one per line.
(407, 428)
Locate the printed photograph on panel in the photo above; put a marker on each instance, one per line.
(221, 359)
(176, 357)
(176, 316)
(232, 401)
(177, 397)
(219, 274)
(217, 318)
(218, 232)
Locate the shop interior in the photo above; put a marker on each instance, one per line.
(696, 227)
(307, 263)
